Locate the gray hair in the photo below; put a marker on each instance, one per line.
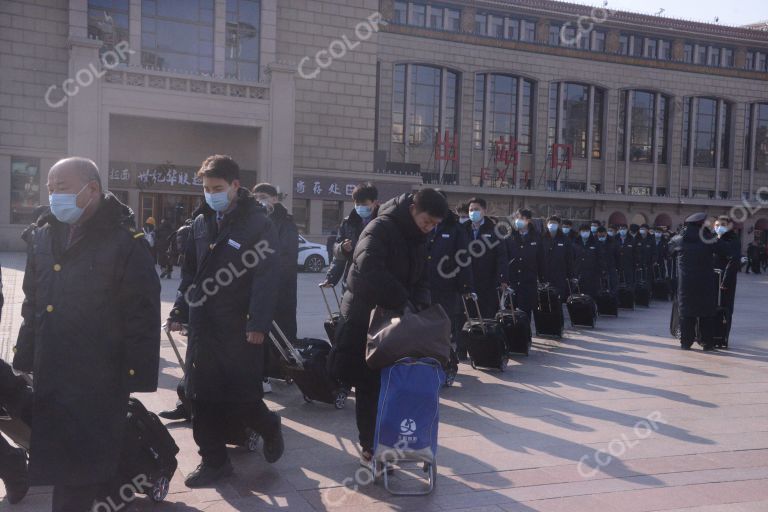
(85, 168)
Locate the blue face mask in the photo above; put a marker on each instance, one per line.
(566, 230)
(623, 232)
(476, 216)
(721, 230)
(584, 235)
(611, 233)
(218, 201)
(520, 224)
(643, 232)
(602, 238)
(593, 229)
(364, 211)
(657, 235)
(64, 207)
(552, 228)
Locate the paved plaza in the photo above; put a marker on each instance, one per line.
(612, 419)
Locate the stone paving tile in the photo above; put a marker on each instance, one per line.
(514, 441)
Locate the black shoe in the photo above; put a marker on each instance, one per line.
(274, 446)
(686, 346)
(204, 475)
(708, 348)
(16, 477)
(179, 413)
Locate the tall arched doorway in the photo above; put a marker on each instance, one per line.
(639, 219)
(616, 219)
(663, 220)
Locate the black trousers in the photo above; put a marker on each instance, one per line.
(214, 424)
(693, 328)
(366, 410)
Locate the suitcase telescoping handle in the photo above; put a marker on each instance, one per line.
(720, 278)
(506, 296)
(325, 299)
(167, 329)
(285, 347)
(571, 283)
(473, 298)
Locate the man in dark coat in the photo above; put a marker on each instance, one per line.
(660, 266)
(728, 261)
(608, 258)
(627, 256)
(693, 252)
(366, 198)
(330, 244)
(228, 295)
(388, 270)
(753, 256)
(288, 241)
(449, 279)
(558, 257)
(13, 461)
(490, 264)
(526, 262)
(586, 262)
(646, 251)
(570, 233)
(91, 334)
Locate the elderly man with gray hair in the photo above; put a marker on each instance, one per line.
(91, 334)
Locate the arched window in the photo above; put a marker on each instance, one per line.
(705, 122)
(576, 112)
(646, 125)
(503, 108)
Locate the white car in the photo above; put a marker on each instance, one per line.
(312, 257)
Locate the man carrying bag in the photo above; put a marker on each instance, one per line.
(388, 270)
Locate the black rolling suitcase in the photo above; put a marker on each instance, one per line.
(516, 325)
(720, 334)
(306, 364)
(607, 303)
(642, 290)
(484, 338)
(148, 459)
(625, 295)
(548, 314)
(581, 309)
(331, 323)
(660, 288)
(674, 320)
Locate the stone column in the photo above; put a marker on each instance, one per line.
(219, 37)
(280, 136)
(84, 119)
(468, 20)
(134, 32)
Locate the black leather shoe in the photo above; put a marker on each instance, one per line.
(15, 476)
(708, 348)
(204, 475)
(686, 346)
(274, 445)
(179, 413)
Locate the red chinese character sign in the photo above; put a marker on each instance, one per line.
(504, 158)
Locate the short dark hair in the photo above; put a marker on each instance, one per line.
(266, 188)
(602, 229)
(365, 192)
(567, 222)
(220, 166)
(724, 218)
(645, 226)
(462, 208)
(553, 218)
(430, 201)
(478, 200)
(584, 227)
(442, 193)
(595, 221)
(522, 212)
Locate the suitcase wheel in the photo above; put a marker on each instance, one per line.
(288, 381)
(427, 467)
(307, 399)
(251, 440)
(450, 378)
(341, 400)
(160, 489)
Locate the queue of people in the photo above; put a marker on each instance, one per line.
(91, 289)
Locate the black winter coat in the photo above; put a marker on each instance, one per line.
(91, 335)
(660, 258)
(608, 256)
(388, 270)
(448, 279)
(288, 241)
(491, 268)
(627, 263)
(586, 266)
(646, 254)
(350, 229)
(526, 267)
(729, 261)
(558, 261)
(229, 287)
(694, 261)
